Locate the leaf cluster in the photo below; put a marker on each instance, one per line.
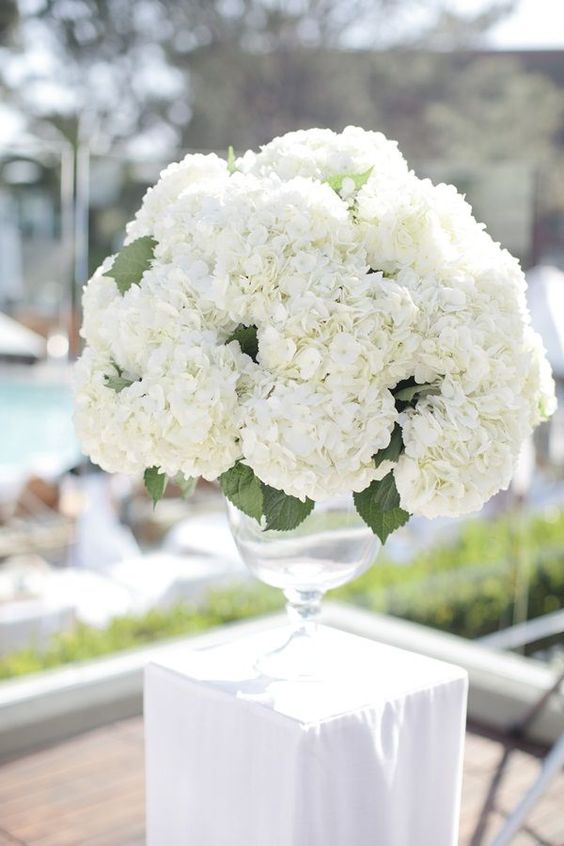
(131, 263)
(156, 483)
(379, 503)
(246, 492)
(246, 337)
(359, 179)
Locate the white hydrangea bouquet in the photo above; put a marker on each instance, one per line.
(308, 321)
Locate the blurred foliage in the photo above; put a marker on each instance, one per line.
(472, 585)
(86, 642)
(436, 105)
(144, 80)
(8, 19)
(470, 119)
(468, 586)
(494, 110)
(124, 68)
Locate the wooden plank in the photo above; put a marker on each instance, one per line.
(7, 840)
(89, 791)
(75, 830)
(97, 794)
(132, 835)
(91, 745)
(75, 771)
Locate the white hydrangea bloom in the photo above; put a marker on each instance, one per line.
(262, 244)
(415, 224)
(366, 338)
(97, 297)
(459, 449)
(183, 415)
(174, 179)
(105, 420)
(161, 310)
(538, 383)
(358, 278)
(322, 153)
(311, 441)
(190, 393)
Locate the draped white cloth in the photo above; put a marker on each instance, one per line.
(370, 757)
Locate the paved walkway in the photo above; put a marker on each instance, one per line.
(88, 791)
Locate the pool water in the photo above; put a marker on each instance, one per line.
(36, 428)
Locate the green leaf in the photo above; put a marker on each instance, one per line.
(131, 263)
(155, 483)
(379, 507)
(243, 489)
(118, 382)
(186, 484)
(359, 179)
(284, 512)
(231, 159)
(247, 339)
(393, 451)
(409, 393)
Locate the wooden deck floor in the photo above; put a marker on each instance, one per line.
(88, 791)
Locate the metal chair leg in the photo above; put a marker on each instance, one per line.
(553, 763)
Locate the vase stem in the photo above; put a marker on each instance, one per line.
(304, 608)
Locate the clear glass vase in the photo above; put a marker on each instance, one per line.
(331, 547)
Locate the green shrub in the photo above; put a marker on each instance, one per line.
(85, 642)
(471, 585)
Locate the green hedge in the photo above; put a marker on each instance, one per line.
(471, 585)
(473, 605)
(84, 642)
(468, 586)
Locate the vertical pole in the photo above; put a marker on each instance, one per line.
(81, 230)
(67, 319)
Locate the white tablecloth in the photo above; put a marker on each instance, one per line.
(370, 757)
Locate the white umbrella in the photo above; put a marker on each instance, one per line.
(546, 303)
(17, 341)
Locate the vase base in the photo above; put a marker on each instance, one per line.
(300, 658)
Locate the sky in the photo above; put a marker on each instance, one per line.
(535, 24)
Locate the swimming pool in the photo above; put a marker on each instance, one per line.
(36, 429)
